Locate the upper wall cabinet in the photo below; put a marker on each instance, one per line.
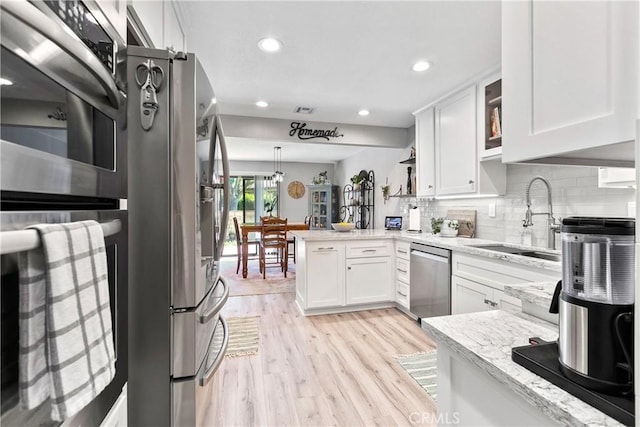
(490, 117)
(448, 159)
(159, 23)
(570, 77)
(455, 131)
(425, 151)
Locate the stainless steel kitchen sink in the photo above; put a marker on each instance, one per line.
(520, 251)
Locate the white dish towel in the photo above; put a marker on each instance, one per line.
(66, 342)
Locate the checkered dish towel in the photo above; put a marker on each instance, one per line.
(66, 343)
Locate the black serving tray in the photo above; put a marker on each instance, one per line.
(542, 360)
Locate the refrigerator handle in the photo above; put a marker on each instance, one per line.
(225, 188)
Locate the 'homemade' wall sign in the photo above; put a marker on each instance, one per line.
(305, 133)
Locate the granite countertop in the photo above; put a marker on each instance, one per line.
(459, 244)
(536, 293)
(485, 340)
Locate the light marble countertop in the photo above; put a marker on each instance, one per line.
(459, 244)
(485, 340)
(536, 293)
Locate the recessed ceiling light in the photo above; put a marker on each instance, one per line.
(421, 66)
(214, 101)
(270, 45)
(363, 112)
(262, 104)
(5, 82)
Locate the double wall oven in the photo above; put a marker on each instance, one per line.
(63, 158)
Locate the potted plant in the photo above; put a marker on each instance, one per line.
(436, 225)
(356, 180)
(386, 192)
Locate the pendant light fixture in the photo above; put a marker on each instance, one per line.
(278, 175)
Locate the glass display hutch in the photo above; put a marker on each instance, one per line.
(323, 206)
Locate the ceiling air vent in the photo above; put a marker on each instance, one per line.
(303, 110)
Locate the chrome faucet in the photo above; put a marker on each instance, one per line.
(553, 226)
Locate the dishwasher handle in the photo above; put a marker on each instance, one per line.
(429, 256)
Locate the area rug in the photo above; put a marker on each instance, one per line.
(254, 284)
(422, 367)
(244, 336)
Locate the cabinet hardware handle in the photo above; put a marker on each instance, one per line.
(486, 301)
(471, 181)
(399, 269)
(430, 186)
(494, 304)
(326, 249)
(404, 295)
(402, 252)
(368, 250)
(349, 268)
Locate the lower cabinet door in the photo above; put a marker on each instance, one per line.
(325, 275)
(369, 280)
(470, 297)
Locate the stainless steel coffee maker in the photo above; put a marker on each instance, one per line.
(595, 300)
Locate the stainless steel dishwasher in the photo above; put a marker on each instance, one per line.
(430, 281)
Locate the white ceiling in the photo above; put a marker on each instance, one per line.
(340, 56)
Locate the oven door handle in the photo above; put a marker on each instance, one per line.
(208, 315)
(26, 240)
(206, 377)
(39, 22)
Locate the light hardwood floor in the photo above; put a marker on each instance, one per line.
(322, 370)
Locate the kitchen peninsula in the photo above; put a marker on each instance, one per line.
(365, 269)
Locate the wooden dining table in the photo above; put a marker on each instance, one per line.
(247, 228)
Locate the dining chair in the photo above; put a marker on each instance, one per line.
(250, 242)
(273, 237)
(292, 240)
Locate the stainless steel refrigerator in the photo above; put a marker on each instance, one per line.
(178, 214)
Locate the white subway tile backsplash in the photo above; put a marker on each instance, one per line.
(574, 192)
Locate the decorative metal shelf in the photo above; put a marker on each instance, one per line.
(404, 196)
(409, 161)
(359, 201)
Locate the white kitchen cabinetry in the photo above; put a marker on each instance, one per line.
(369, 275)
(455, 147)
(570, 75)
(402, 274)
(489, 100)
(337, 276)
(159, 23)
(616, 177)
(325, 263)
(477, 283)
(472, 297)
(447, 141)
(369, 280)
(425, 152)
(116, 12)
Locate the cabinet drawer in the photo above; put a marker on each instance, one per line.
(402, 270)
(403, 250)
(368, 249)
(497, 273)
(402, 294)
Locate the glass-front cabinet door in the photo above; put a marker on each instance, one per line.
(322, 206)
